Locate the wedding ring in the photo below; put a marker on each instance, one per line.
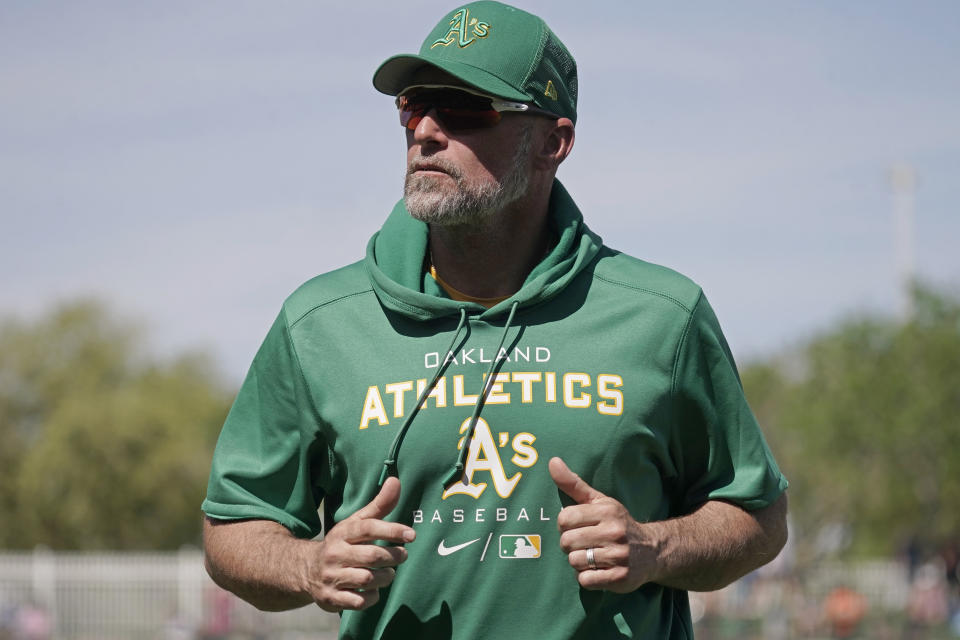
(590, 559)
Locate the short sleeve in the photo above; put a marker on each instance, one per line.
(270, 452)
(716, 442)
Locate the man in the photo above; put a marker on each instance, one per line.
(516, 432)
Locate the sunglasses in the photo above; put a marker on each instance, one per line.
(457, 109)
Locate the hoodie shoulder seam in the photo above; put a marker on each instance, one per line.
(653, 292)
(328, 303)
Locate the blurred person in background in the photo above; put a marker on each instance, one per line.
(927, 604)
(32, 623)
(844, 609)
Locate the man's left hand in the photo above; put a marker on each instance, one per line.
(623, 552)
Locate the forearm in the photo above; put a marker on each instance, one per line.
(716, 544)
(258, 560)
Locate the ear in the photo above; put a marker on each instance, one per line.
(557, 143)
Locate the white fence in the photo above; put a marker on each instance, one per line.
(107, 596)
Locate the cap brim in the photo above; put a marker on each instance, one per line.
(397, 73)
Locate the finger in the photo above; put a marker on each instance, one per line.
(608, 579)
(370, 598)
(578, 539)
(578, 559)
(347, 599)
(603, 558)
(584, 515)
(360, 531)
(381, 578)
(377, 557)
(383, 503)
(570, 483)
(351, 579)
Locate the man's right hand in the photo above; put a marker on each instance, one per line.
(345, 570)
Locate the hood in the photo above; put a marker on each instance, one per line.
(396, 256)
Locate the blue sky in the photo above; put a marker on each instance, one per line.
(192, 163)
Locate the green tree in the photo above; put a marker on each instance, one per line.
(866, 422)
(102, 446)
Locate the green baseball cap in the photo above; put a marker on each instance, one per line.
(498, 49)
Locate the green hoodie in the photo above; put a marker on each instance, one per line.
(616, 365)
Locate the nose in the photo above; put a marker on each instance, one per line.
(429, 130)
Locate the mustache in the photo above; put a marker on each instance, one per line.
(421, 163)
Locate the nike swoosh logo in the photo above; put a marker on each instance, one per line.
(445, 550)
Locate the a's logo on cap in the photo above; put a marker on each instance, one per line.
(551, 91)
(459, 26)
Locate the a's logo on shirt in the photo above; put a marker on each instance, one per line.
(464, 30)
(483, 456)
(525, 546)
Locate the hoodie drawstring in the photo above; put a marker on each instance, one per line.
(457, 472)
(390, 463)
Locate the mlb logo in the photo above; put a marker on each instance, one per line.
(513, 547)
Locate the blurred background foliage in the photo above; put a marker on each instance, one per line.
(103, 446)
(865, 422)
(107, 447)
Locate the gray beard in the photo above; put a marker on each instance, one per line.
(469, 203)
